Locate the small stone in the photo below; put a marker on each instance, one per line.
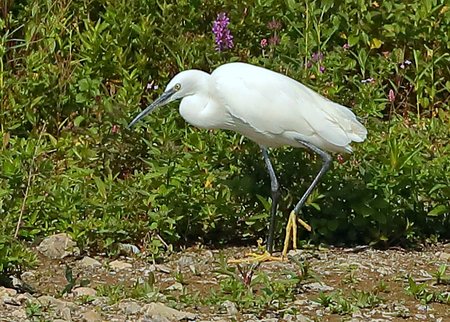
(129, 307)
(84, 291)
(230, 307)
(91, 316)
(90, 262)
(27, 276)
(10, 300)
(444, 256)
(7, 291)
(420, 316)
(154, 319)
(25, 298)
(175, 287)
(7, 296)
(162, 268)
(318, 287)
(46, 300)
(128, 249)
(19, 314)
(66, 314)
(119, 265)
(155, 310)
(297, 318)
(58, 246)
(186, 261)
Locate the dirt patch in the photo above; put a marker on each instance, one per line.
(332, 284)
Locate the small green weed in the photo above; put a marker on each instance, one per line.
(33, 310)
(73, 281)
(422, 293)
(142, 290)
(340, 304)
(441, 277)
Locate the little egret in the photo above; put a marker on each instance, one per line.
(272, 110)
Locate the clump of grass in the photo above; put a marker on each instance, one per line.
(141, 290)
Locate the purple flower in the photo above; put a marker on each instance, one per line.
(405, 63)
(223, 37)
(274, 25)
(263, 42)
(346, 46)
(322, 69)
(316, 57)
(152, 86)
(274, 40)
(391, 96)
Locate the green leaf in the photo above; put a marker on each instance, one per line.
(353, 40)
(438, 210)
(78, 120)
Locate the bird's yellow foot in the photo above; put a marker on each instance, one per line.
(291, 230)
(262, 256)
(256, 258)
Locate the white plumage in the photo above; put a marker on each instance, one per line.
(267, 107)
(270, 109)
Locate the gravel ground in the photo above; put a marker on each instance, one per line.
(189, 285)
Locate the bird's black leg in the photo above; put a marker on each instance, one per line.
(326, 158)
(275, 189)
(291, 227)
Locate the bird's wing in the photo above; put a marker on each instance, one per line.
(273, 103)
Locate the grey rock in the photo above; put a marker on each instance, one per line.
(50, 301)
(90, 262)
(130, 307)
(128, 249)
(58, 246)
(297, 318)
(119, 265)
(100, 301)
(175, 287)
(318, 287)
(186, 261)
(162, 268)
(27, 276)
(155, 310)
(421, 307)
(84, 291)
(444, 256)
(91, 316)
(10, 301)
(4, 291)
(154, 319)
(66, 314)
(25, 298)
(19, 314)
(230, 307)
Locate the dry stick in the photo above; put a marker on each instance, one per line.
(30, 176)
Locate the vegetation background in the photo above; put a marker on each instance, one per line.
(73, 73)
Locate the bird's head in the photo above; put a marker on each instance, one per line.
(183, 84)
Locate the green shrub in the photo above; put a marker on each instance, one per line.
(73, 74)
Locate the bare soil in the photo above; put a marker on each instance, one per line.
(335, 270)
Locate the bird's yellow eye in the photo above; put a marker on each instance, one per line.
(177, 87)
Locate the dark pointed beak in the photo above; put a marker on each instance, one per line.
(160, 101)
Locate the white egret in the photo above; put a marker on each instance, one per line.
(272, 110)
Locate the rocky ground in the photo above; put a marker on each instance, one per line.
(332, 284)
